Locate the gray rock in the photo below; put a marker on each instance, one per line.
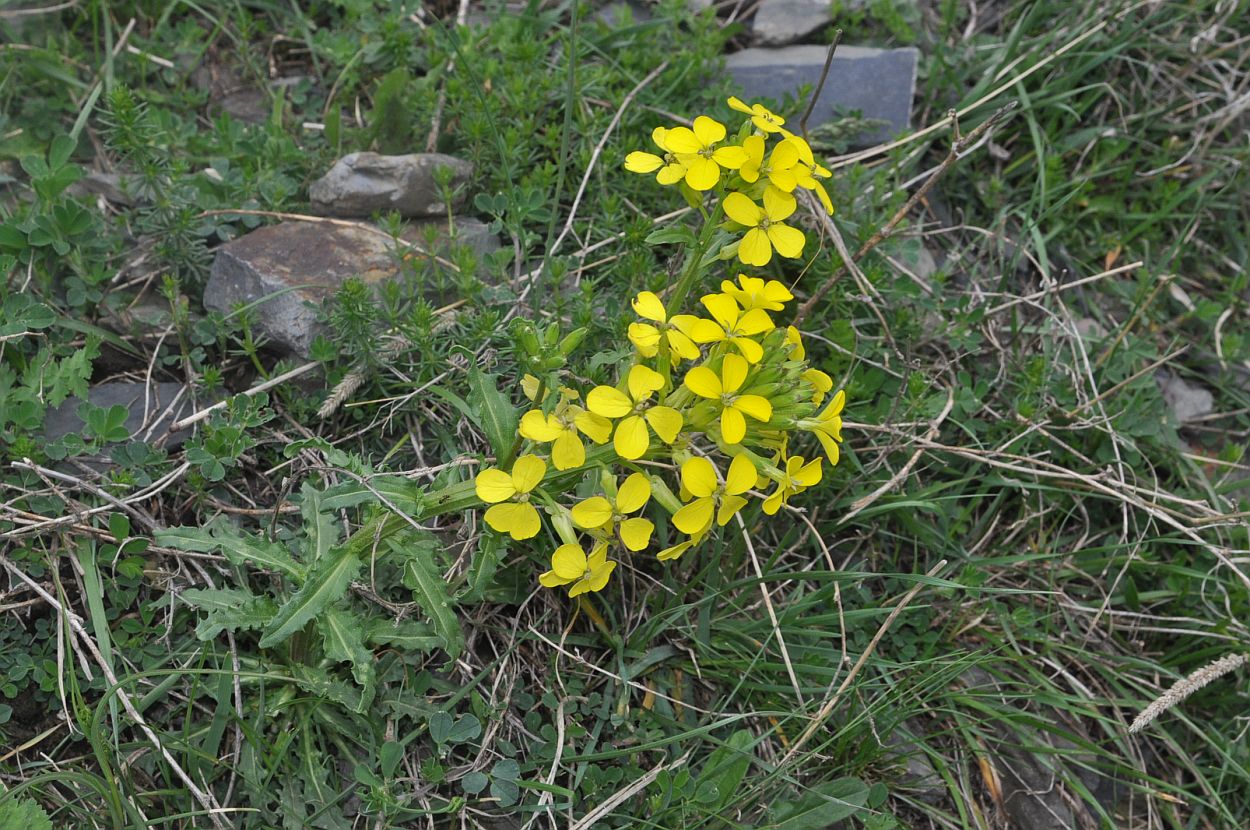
(291, 269)
(361, 184)
(1187, 401)
(152, 409)
(781, 22)
(1032, 792)
(879, 83)
(918, 777)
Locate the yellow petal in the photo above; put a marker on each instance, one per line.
(742, 210)
(835, 405)
(787, 240)
(755, 249)
(737, 103)
(809, 474)
(733, 427)
(785, 155)
(537, 425)
(774, 501)
(695, 517)
(830, 447)
(593, 513)
(528, 472)
(753, 146)
(681, 345)
(728, 507)
(671, 174)
(520, 521)
(633, 493)
(702, 173)
(706, 331)
(648, 306)
(778, 204)
(755, 321)
(699, 477)
(631, 439)
(529, 385)
(777, 295)
(681, 140)
(823, 195)
(795, 339)
(708, 130)
(665, 421)
(751, 350)
(676, 550)
(568, 451)
(639, 162)
(595, 427)
(609, 402)
(731, 157)
(783, 180)
(757, 406)
(733, 372)
(636, 533)
(569, 562)
(741, 475)
(645, 337)
(703, 382)
(723, 308)
(493, 486)
(642, 381)
(551, 579)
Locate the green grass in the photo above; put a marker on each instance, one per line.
(1091, 543)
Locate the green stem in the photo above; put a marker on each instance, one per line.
(694, 265)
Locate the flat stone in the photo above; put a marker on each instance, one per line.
(781, 22)
(362, 184)
(291, 269)
(879, 83)
(1188, 402)
(149, 406)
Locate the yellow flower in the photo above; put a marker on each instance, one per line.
(766, 228)
(807, 171)
(509, 494)
(561, 428)
(696, 148)
(761, 117)
(675, 551)
(795, 341)
(732, 325)
(796, 478)
(599, 513)
(820, 382)
(748, 160)
(724, 391)
(671, 168)
(632, 436)
(646, 337)
(711, 498)
(570, 563)
(753, 292)
(827, 426)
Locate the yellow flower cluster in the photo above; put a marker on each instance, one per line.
(715, 398)
(756, 182)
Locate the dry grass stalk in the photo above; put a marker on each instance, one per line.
(1185, 687)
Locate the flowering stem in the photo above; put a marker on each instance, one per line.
(695, 264)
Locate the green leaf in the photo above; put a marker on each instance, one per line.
(671, 236)
(23, 814)
(239, 549)
(491, 548)
(342, 636)
(474, 783)
(319, 528)
(327, 582)
(430, 592)
(440, 724)
(496, 415)
(821, 806)
(506, 791)
(409, 635)
(228, 609)
(724, 769)
(465, 728)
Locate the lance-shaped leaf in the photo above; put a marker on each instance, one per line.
(409, 635)
(239, 549)
(342, 634)
(319, 528)
(493, 411)
(326, 584)
(228, 609)
(430, 592)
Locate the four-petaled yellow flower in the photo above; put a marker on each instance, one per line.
(763, 119)
(796, 478)
(753, 292)
(766, 228)
(696, 148)
(603, 514)
(781, 168)
(827, 426)
(807, 171)
(509, 494)
(561, 428)
(732, 325)
(671, 168)
(675, 330)
(632, 437)
(570, 563)
(723, 390)
(711, 499)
